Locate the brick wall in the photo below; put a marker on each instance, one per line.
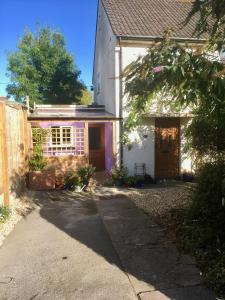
(65, 163)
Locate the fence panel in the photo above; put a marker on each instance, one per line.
(14, 145)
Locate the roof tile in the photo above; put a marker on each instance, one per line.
(150, 18)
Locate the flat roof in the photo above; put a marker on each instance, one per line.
(70, 112)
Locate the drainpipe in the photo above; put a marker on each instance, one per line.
(121, 102)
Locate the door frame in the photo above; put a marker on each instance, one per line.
(178, 120)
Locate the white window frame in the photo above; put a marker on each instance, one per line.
(62, 145)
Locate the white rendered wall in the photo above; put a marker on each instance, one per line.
(143, 150)
(110, 58)
(104, 63)
(186, 163)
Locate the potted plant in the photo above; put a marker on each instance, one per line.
(85, 174)
(39, 178)
(119, 176)
(72, 181)
(79, 180)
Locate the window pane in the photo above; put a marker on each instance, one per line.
(55, 134)
(66, 135)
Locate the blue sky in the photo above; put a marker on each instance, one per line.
(74, 18)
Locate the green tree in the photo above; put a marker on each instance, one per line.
(212, 19)
(86, 98)
(193, 77)
(43, 69)
(186, 78)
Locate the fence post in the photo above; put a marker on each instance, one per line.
(3, 154)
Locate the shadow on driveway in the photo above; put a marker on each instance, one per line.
(155, 268)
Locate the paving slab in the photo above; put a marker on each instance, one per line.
(151, 261)
(62, 251)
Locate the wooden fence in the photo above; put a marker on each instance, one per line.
(14, 145)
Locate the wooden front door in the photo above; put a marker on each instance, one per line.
(96, 133)
(167, 147)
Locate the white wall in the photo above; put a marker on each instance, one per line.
(143, 150)
(130, 54)
(110, 58)
(104, 64)
(186, 163)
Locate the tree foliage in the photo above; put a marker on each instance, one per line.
(186, 76)
(86, 98)
(212, 19)
(43, 69)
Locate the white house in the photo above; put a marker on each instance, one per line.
(125, 30)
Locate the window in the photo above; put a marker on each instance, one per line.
(60, 140)
(61, 136)
(39, 135)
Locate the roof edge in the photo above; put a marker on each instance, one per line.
(154, 38)
(96, 27)
(72, 118)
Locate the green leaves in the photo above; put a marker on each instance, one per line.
(181, 76)
(43, 69)
(211, 16)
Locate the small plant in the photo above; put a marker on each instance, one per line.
(119, 176)
(139, 181)
(4, 213)
(85, 174)
(72, 180)
(79, 179)
(130, 181)
(37, 162)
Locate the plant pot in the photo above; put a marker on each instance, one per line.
(41, 180)
(118, 183)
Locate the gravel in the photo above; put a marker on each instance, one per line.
(19, 208)
(159, 200)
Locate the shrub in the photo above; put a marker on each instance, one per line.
(4, 213)
(79, 178)
(119, 176)
(201, 226)
(130, 181)
(208, 194)
(72, 180)
(37, 162)
(85, 174)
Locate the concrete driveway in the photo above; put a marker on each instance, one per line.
(61, 250)
(64, 249)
